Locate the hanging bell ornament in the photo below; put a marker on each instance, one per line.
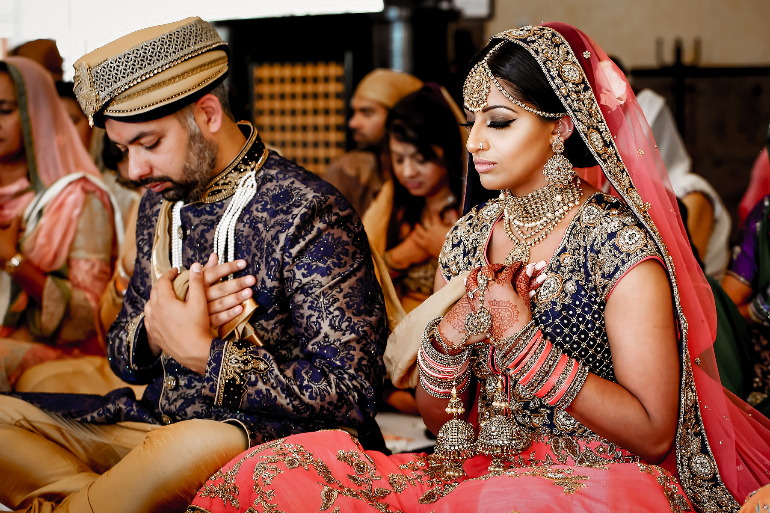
(499, 437)
(455, 440)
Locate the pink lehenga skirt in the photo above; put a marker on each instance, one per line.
(330, 471)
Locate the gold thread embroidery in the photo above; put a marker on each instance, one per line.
(237, 363)
(133, 324)
(167, 82)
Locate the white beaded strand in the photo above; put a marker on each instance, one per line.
(224, 236)
(176, 236)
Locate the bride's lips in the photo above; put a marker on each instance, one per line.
(483, 166)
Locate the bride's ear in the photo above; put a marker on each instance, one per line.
(567, 127)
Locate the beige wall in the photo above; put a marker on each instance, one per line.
(732, 32)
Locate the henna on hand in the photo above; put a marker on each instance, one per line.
(457, 314)
(505, 315)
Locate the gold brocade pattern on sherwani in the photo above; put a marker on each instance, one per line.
(562, 69)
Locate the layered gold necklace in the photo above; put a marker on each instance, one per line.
(529, 219)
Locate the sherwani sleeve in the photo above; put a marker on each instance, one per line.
(127, 347)
(339, 324)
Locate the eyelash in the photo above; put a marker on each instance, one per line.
(491, 124)
(153, 145)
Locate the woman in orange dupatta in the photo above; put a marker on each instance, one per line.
(601, 393)
(58, 236)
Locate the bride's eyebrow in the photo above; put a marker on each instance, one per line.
(491, 107)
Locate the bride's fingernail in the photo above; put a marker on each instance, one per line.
(531, 293)
(541, 278)
(541, 264)
(530, 269)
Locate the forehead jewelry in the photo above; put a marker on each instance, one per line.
(476, 88)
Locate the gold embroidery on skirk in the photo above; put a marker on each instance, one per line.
(236, 365)
(551, 50)
(676, 501)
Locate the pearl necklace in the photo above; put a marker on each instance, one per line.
(176, 235)
(224, 236)
(529, 219)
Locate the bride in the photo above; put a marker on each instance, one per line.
(598, 391)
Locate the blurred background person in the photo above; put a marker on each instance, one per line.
(747, 282)
(359, 173)
(759, 183)
(76, 114)
(709, 221)
(92, 374)
(57, 260)
(44, 52)
(408, 221)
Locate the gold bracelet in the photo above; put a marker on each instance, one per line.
(12, 266)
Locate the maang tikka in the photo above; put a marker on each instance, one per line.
(558, 170)
(477, 86)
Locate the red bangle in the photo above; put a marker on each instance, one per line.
(565, 386)
(525, 353)
(539, 363)
(543, 391)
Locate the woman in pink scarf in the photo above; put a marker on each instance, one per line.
(57, 232)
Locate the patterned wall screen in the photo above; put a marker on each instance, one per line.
(299, 109)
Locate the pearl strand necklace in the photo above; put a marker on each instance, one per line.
(224, 237)
(176, 235)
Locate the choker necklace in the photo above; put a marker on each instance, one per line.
(529, 219)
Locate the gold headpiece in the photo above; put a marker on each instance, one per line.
(476, 88)
(149, 69)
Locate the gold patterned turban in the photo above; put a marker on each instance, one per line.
(151, 73)
(386, 86)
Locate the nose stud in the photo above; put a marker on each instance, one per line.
(481, 145)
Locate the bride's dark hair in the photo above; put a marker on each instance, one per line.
(519, 73)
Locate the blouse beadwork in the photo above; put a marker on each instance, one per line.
(601, 244)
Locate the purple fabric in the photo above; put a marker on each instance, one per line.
(744, 265)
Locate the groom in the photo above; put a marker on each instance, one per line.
(292, 344)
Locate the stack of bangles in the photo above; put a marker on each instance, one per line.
(541, 369)
(439, 372)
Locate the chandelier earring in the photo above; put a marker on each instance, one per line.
(558, 169)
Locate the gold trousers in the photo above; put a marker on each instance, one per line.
(49, 463)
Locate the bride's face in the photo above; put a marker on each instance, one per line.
(516, 145)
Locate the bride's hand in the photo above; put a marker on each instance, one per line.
(507, 298)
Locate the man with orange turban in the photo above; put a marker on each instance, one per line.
(359, 174)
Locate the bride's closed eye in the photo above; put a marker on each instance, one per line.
(491, 124)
